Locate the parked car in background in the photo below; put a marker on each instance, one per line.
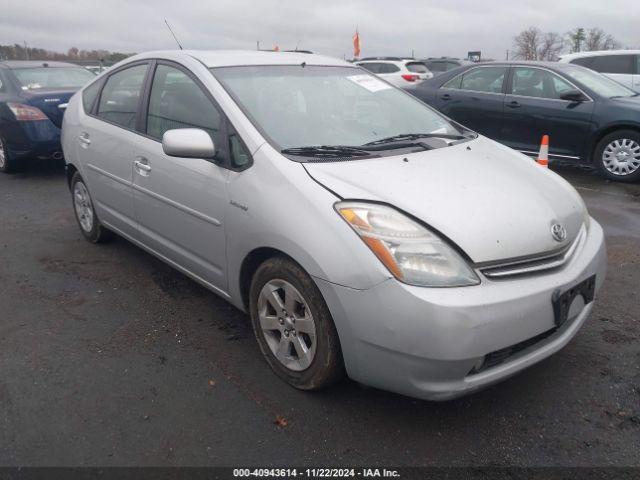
(362, 231)
(33, 97)
(621, 65)
(443, 64)
(395, 70)
(590, 118)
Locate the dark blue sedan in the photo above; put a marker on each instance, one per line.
(33, 96)
(590, 118)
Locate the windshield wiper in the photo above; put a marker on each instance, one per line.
(416, 136)
(327, 151)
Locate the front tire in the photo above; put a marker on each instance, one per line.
(617, 156)
(6, 163)
(85, 214)
(293, 326)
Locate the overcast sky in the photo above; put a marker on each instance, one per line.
(387, 27)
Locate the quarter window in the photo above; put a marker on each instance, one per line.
(89, 96)
(178, 102)
(120, 98)
(538, 83)
(484, 79)
(613, 64)
(582, 61)
(372, 67)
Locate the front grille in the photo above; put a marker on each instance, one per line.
(532, 265)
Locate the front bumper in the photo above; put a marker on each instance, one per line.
(425, 342)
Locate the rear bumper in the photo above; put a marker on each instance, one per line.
(425, 342)
(39, 139)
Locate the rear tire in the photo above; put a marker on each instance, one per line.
(293, 326)
(617, 156)
(85, 214)
(6, 162)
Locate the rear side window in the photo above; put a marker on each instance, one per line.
(613, 64)
(89, 96)
(484, 79)
(176, 101)
(583, 61)
(120, 97)
(372, 67)
(437, 66)
(417, 67)
(389, 68)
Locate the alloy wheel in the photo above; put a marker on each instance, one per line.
(83, 206)
(287, 324)
(621, 156)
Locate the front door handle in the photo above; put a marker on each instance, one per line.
(142, 166)
(446, 96)
(514, 104)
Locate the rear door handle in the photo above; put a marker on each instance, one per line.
(514, 104)
(142, 166)
(84, 139)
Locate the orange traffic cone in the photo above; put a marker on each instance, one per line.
(543, 156)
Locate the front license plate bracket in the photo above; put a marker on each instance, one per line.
(562, 300)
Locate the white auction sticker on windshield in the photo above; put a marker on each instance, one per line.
(370, 83)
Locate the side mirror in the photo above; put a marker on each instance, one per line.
(573, 95)
(188, 143)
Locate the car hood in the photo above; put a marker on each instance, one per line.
(491, 201)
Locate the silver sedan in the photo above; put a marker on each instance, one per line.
(365, 233)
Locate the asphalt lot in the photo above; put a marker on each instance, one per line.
(110, 357)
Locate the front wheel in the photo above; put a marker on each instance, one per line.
(86, 216)
(293, 326)
(617, 156)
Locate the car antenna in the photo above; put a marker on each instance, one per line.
(174, 35)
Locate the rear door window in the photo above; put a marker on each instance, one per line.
(484, 79)
(389, 68)
(613, 64)
(120, 98)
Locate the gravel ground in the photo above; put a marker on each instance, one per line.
(110, 357)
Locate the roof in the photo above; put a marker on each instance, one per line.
(598, 53)
(231, 58)
(35, 64)
(511, 63)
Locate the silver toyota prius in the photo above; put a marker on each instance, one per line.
(365, 233)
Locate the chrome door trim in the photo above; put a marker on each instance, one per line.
(109, 175)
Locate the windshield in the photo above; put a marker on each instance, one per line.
(53, 77)
(599, 83)
(300, 106)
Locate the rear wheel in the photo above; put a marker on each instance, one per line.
(617, 155)
(86, 216)
(293, 326)
(6, 165)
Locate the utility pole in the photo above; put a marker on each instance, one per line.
(26, 50)
(258, 45)
(507, 54)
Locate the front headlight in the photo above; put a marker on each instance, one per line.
(413, 254)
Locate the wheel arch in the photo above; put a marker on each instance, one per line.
(600, 134)
(70, 172)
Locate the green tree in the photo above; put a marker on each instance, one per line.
(577, 36)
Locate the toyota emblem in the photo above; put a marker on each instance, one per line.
(558, 232)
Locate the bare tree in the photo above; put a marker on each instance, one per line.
(527, 44)
(550, 46)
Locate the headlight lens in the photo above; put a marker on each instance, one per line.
(413, 254)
